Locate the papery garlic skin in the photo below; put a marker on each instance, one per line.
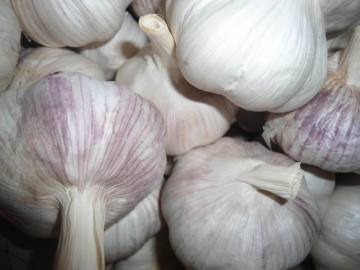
(337, 247)
(112, 54)
(40, 62)
(193, 117)
(143, 7)
(69, 148)
(216, 221)
(10, 34)
(60, 23)
(128, 235)
(262, 56)
(325, 132)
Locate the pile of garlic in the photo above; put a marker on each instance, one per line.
(169, 134)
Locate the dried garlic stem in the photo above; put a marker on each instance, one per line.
(280, 180)
(162, 41)
(350, 61)
(81, 242)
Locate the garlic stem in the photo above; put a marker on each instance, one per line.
(280, 180)
(81, 242)
(350, 61)
(162, 41)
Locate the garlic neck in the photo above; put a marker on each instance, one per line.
(81, 241)
(349, 66)
(162, 41)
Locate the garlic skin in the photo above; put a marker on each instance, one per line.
(325, 132)
(128, 235)
(337, 247)
(193, 117)
(61, 23)
(340, 14)
(262, 56)
(10, 34)
(40, 62)
(112, 54)
(218, 219)
(73, 161)
(144, 7)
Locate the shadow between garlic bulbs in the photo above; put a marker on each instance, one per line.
(219, 218)
(193, 117)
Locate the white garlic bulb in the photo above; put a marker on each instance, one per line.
(60, 23)
(40, 62)
(325, 132)
(262, 55)
(338, 245)
(73, 161)
(143, 7)
(193, 117)
(129, 234)
(218, 219)
(10, 43)
(112, 54)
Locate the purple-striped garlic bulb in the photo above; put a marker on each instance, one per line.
(61, 23)
(338, 245)
(40, 62)
(193, 117)
(236, 205)
(325, 132)
(144, 7)
(10, 33)
(76, 156)
(128, 235)
(110, 55)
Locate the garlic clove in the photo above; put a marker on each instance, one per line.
(325, 132)
(61, 23)
(112, 54)
(73, 156)
(218, 221)
(10, 33)
(40, 62)
(249, 53)
(193, 117)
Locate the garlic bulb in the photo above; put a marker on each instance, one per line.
(143, 7)
(263, 56)
(218, 219)
(76, 155)
(337, 248)
(320, 184)
(193, 117)
(340, 14)
(60, 23)
(127, 236)
(10, 43)
(325, 132)
(40, 62)
(112, 54)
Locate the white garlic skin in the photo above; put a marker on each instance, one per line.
(262, 56)
(40, 62)
(337, 247)
(10, 34)
(61, 23)
(217, 222)
(110, 55)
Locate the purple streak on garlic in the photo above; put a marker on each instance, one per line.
(218, 219)
(61, 23)
(193, 117)
(10, 33)
(112, 54)
(40, 62)
(129, 234)
(338, 246)
(325, 132)
(79, 154)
